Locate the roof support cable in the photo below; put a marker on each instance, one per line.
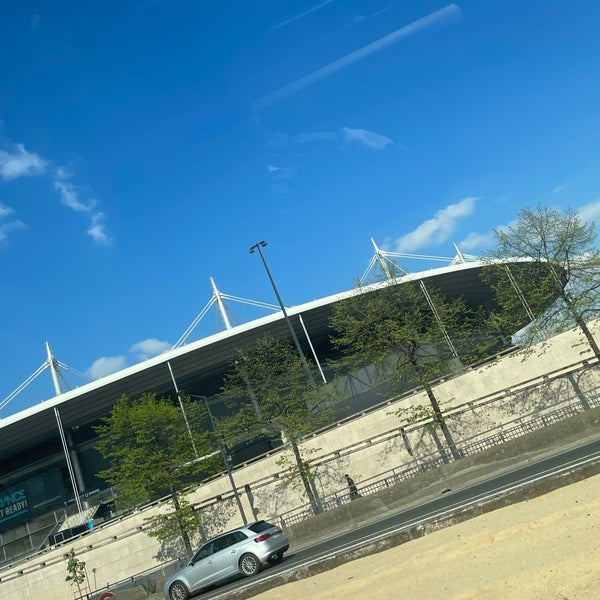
(440, 323)
(20, 388)
(223, 311)
(519, 292)
(63, 439)
(312, 348)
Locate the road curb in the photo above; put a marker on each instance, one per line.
(524, 493)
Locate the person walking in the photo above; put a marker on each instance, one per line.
(352, 487)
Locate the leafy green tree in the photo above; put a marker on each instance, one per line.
(409, 331)
(76, 573)
(153, 453)
(270, 390)
(560, 286)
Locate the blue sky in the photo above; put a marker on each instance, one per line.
(145, 146)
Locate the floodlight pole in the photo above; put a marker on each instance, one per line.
(257, 247)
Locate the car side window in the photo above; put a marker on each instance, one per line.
(223, 542)
(204, 551)
(218, 544)
(228, 540)
(238, 536)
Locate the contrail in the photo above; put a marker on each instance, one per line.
(302, 15)
(452, 10)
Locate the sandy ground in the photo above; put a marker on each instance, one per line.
(547, 549)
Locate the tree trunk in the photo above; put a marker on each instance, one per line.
(305, 482)
(442, 422)
(589, 336)
(581, 323)
(439, 417)
(184, 534)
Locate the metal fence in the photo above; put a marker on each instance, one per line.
(33, 540)
(519, 427)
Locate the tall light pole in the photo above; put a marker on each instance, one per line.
(223, 455)
(253, 249)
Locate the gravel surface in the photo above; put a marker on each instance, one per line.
(547, 548)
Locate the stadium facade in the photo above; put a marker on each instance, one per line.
(48, 456)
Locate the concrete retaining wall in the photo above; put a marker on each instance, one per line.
(364, 446)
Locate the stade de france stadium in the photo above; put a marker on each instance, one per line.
(47, 455)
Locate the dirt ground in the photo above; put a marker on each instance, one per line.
(547, 548)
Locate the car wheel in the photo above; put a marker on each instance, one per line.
(178, 591)
(275, 560)
(249, 565)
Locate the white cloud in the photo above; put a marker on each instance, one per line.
(7, 224)
(20, 163)
(448, 13)
(148, 348)
(139, 351)
(373, 140)
(282, 139)
(69, 193)
(70, 196)
(590, 212)
(480, 241)
(5, 211)
(107, 365)
(436, 230)
(98, 230)
(283, 173)
(476, 241)
(284, 164)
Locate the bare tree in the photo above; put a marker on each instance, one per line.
(559, 288)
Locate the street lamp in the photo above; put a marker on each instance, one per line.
(223, 455)
(253, 249)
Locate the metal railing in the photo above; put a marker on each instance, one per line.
(487, 439)
(481, 440)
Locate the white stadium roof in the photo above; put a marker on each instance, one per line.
(201, 364)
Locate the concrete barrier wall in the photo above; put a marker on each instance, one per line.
(569, 433)
(364, 446)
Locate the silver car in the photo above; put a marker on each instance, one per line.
(241, 551)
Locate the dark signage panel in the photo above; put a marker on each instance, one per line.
(13, 503)
(31, 497)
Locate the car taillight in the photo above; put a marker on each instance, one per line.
(262, 537)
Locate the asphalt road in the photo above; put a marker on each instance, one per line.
(446, 504)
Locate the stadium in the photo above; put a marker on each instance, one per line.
(48, 455)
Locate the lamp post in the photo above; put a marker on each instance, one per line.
(223, 455)
(253, 249)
